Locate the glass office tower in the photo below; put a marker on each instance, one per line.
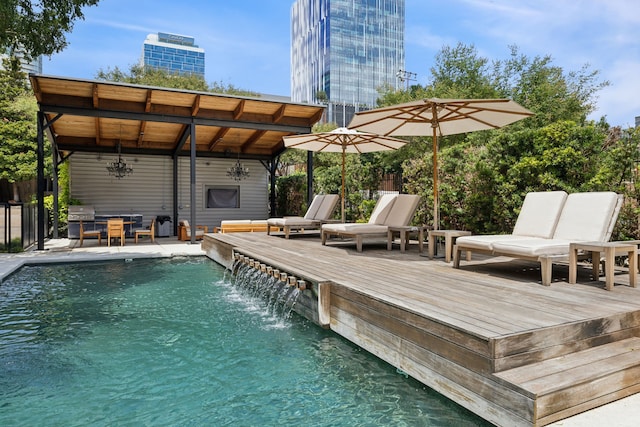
(342, 51)
(173, 53)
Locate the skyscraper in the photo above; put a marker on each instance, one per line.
(173, 53)
(342, 51)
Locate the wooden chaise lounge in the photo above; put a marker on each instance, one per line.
(392, 210)
(547, 225)
(318, 213)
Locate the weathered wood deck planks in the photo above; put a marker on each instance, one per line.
(488, 335)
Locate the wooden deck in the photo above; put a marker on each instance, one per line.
(488, 335)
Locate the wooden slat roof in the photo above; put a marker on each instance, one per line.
(88, 115)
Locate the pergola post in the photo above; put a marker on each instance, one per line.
(40, 179)
(192, 145)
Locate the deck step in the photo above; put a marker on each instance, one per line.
(580, 381)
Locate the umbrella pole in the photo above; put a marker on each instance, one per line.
(436, 202)
(343, 157)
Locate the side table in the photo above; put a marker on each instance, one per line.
(450, 237)
(404, 232)
(611, 250)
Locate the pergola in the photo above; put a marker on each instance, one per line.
(95, 116)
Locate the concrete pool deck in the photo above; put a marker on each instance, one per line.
(67, 250)
(621, 413)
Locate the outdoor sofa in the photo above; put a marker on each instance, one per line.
(391, 210)
(547, 224)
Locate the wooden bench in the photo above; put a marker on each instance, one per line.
(242, 226)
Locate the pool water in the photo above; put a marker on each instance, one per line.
(175, 342)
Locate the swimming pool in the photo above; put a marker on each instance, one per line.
(172, 342)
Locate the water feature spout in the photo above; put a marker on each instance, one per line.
(280, 290)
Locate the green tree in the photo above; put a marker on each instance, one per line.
(483, 176)
(148, 76)
(18, 129)
(38, 27)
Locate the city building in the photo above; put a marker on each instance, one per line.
(343, 51)
(27, 65)
(173, 53)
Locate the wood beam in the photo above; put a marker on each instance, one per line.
(217, 138)
(237, 113)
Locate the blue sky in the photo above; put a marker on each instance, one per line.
(247, 42)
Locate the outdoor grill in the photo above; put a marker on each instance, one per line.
(81, 213)
(92, 222)
(86, 214)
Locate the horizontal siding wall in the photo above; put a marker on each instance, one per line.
(149, 190)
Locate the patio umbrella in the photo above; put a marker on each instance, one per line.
(343, 140)
(435, 117)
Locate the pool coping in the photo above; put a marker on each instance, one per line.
(68, 251)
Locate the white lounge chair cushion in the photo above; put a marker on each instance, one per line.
(586, 216)
(382, 209)
(532, 247)
(327, 207)
(484, 242)
(356, 228)
(402, 210)
(314, 206)
(539, 214)
(292, 221)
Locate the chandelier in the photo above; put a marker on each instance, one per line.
(238, 172)
(119, 168)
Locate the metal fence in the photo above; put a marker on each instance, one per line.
(18, 226)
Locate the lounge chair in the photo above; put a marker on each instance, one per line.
(538, 218)
(318, 213)
(583, 217)
(186, 229)
(392, 210)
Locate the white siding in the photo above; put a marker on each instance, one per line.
(148, 191)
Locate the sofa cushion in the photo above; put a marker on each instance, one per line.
(234, 222)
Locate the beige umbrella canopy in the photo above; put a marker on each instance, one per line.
(435, 117)
(343, 140)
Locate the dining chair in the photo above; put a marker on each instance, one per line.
(89, 233)
(115, 230)
(146, 231)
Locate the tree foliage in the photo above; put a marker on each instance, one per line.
(38, 27)
(148, 76)
(18, 128)
(484, 176)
